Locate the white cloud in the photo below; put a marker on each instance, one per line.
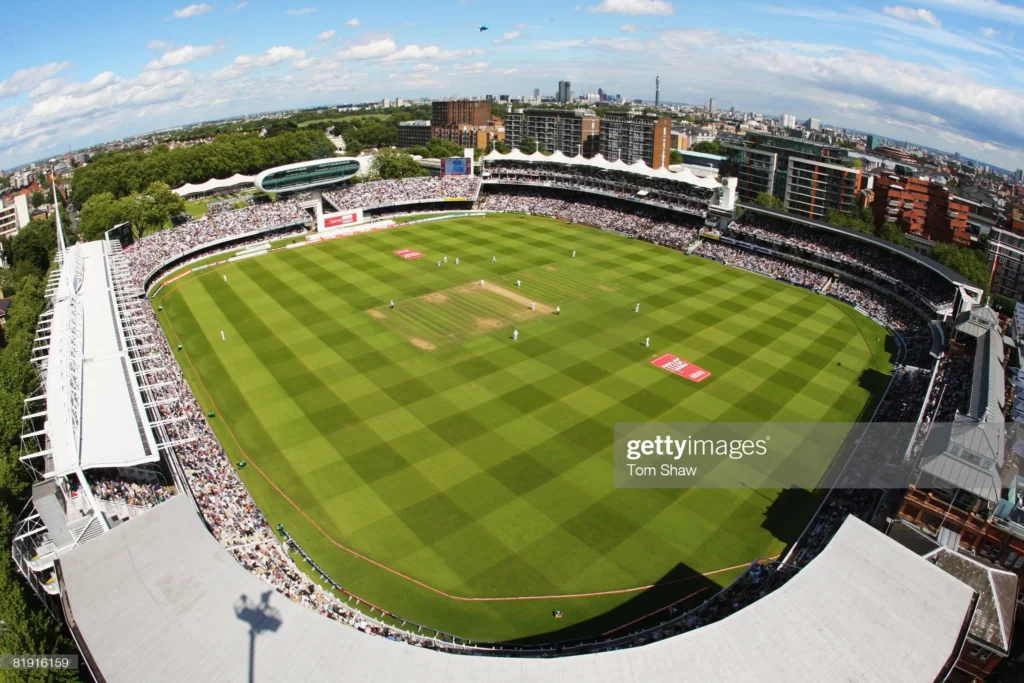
(192, 11)
(522, 25)
(989, 32)
(183, 55)
(628, 28)
(238, 6)
(372, 49)
(910, 14)
(353, 23)
(506, 72)
(576, 8)
(300, 11)
(506, 37)
(426, 68)
(157, 45)
(989, 9)
(271, 57)
(24, 80)
(326, 35)
(634, 7)
(475, 68)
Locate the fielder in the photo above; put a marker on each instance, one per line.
(519, 283)
(637, 309)
(574, 253)
(494, 259)
(392, 304)
(481, 283)
(225, 278)
(647, 342)
(438, 264)
(456, 260)
(558, 310)
(515, 335)
(533, 305)
(222, 335)
(446, 260)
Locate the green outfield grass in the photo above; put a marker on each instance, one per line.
(427, 440)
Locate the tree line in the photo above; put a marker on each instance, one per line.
(25, 626)
(148, 211)
(126, 173)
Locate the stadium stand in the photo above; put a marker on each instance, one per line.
(836, 556)
(411, 191)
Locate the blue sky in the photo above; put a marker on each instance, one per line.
(946, 73)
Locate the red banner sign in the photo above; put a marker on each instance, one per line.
(408, 254)
(333, 220)
(678, 366)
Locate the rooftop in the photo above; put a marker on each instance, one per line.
(160, 600)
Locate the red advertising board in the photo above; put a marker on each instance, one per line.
(408, 254)
(678, 366)
(334, 220)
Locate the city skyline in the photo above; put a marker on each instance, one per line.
(934, 74)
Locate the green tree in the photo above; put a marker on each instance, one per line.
(391, 163)
(893, 234)
(857, 163)
(971, 263)
(713, 147)
(675, 157)
(501, 148)
(859, 219)
(437, 148)
(5, 181)
(1003, 304)
(99, 214)
(770, 201)
(529, 145)
(37, 199)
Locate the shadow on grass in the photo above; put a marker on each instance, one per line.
(680, 590)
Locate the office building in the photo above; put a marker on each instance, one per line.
(564, 92)
(657, 91)
(413, 133)
(13, 215)
(712, 106)
(562, 130)
(1019, 175)
(453, 112)
(813, 124)
(633, 137)
(921, 208)
(788, 121)
(536, 93)
(874, 142)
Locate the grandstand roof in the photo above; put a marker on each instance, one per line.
(598, 161)
(214, 184)
(110, 435)
(992, 622)
(156, 598)
(944, 271)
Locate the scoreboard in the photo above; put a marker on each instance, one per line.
(457, 166)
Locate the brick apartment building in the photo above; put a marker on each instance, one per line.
(465, 122)
(413, 134)
(922, 208)
(632, 137)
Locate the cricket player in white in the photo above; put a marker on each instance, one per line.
(446, 259)
(392, 304)
(515, 335)
(533, 305)
(481, 283)
(558, 310)
(494, 259)
(225, 278)
(438, 264)
(456, 260)
(574, 253)
(637, 310)
(647, 342)
(519, 283)
(222, 335)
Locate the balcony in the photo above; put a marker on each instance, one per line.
(954, 214)
(892, 211)
(890, 219)
(908, 205)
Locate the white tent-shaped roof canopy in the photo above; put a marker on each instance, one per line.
(598, 161)
(214, 184)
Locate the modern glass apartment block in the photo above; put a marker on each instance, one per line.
(762, 164)
(753, 169)
(814, 187)
(306, 175)
(1006, 259)
(633, 137)
(568, 131)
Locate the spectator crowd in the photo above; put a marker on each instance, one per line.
(154, 249)
(391, 192)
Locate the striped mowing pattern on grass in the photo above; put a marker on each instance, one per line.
(482, 466)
